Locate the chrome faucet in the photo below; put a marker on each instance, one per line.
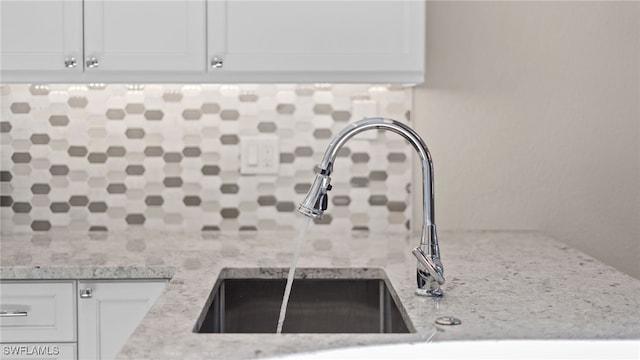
(429, 269)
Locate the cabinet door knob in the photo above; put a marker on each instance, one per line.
(86, 293)
(217, 62)
(70, 62)
(92, 62)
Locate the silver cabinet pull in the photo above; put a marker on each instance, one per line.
(92, 62)
(70, 62)
(86, 293)
(217, 62)
(15, 313)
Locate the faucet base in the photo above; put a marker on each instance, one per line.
(429, 292)
(427, 285)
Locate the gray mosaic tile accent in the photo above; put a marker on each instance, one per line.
(212, 170)
(135, 219)
(78, 151)
(322, 134)
(115, 114)
(341, 200)
(229, 115)
(21, 207)
(59, 120)
(78, 200)
(116, 151)
(60, 207)
(341, 116)
(378, 175)
(105, 157)
(117, 188)
(20, 108)
(41, 225)
(210, 108)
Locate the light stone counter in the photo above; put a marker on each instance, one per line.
(502, 285)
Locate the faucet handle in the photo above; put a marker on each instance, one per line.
(323, 202)
(434, 269)
(431, 277)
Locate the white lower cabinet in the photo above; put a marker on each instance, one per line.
(108, 313)
(37, 311)
(69, 319)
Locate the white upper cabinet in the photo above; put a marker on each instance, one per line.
(317, 40)
(41, 35)
(144, 35)
(213, 41)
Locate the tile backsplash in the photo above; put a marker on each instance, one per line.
(105, 157)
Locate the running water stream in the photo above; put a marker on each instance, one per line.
(292, 270)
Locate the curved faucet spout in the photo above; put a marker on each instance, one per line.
(430, 271)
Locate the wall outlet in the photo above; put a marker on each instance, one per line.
(259, 155)
(361, 109)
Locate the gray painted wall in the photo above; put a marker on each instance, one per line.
(531, 112)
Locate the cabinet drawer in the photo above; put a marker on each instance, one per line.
(37, 311)
(45, 351)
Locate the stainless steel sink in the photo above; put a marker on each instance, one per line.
(316, 305)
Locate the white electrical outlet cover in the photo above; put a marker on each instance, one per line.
(259, 155)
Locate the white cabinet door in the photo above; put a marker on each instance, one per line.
(41, 35)
(109, 313)
(145, 35)
(314, 37)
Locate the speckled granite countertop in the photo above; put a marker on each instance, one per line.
(502, 285)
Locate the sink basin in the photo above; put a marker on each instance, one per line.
(246, 304)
